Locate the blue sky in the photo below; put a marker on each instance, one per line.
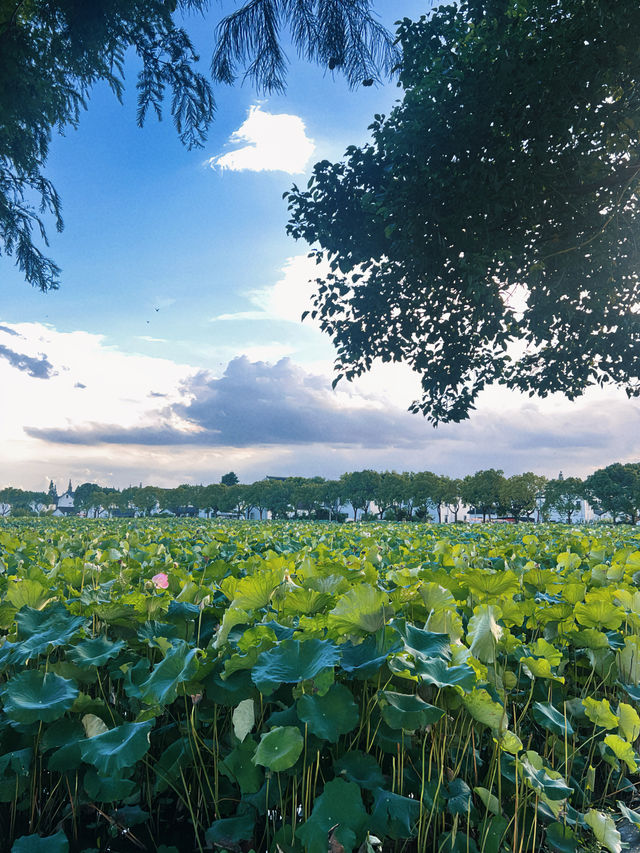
(160, 359)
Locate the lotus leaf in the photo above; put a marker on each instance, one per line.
(25, 592)
(489, 800)
(622, 750)
(599, 613)
(393, 816)
(107, 789)
(365, 658)
(459, 797)
(482, 708)
(229, 831)
(561, 838)
(34, 696)
(604, 829)
(118, 748)
(361, 768)
(340, 808)
(629, 722)
(485, 584)
(178, 666)
(543, 780)
(631, 816)
(424, 645)
(293, 661)
(239, 767)
(599, 712)
(483, 632)
(362, 609)
(57, 843)
(331, 715)
(437, 672)
(95, 652)
(409, 712)
(551, 719)
(279, 749)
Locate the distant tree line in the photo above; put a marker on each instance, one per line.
(614, 491)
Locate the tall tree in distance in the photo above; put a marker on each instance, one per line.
(52, 52)
(498, 203)
(230, 479)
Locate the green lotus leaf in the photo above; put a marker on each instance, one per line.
(61, 732)
(331, 715)
(363, 609)
(179, 665)
(543, 780)
(604, 829)
(629, 722)
(436, 597)
(107, 789)
(483, 709)
(57, 843)
(279, 749)
(361, 768)
(509, 741)
(622, 750)
(423, 645)
(599, 712)
(484, 584)
(239, 767)
(40, 630)
(408, 712)
(118, 748)
(229, 831)
(561, 838)
(254, 591)
(95, 652)
(292, 661)
(305, 601)
(539, 668)
(551, 719)
(364, 659)
(23, 592)
(18, 761)
(599, 613)
(438, 673)
(34, 696)
(628, 660)
(483, 632)
(489, 800)
(394, 816)
(459, 797)
(631, 816)
(338, 808)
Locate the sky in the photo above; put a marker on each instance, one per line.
(174, 351)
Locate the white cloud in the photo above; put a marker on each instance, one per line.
(268, 143)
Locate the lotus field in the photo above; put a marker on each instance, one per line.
(179, 685)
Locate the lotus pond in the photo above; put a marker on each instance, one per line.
(187, 686)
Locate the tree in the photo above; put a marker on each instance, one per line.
(518, 493)
(391, 492)
(230, 479)
(497, 203)
(359, 489)
(52, 52)
(52, 494)
(84, 495)
(615, 490)
(563, 495)
(482, 490)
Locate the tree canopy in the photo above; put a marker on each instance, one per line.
(488, 232)
(53, 51)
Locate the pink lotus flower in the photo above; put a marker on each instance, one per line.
(161, 580)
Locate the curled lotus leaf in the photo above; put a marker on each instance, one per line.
(118, 748)
(292, 661)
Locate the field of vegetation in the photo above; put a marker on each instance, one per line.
(189, 685)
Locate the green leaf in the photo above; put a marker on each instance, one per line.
(543, 780)
(604, 829)
(57, 843)
(331, 715)
(178, 666)
(423, 645)
(483, 709)
(254, 591)
(489, 800)
(483, 632)
(239, 767)
(622, 750)
(629, 722)
(561, 838)
(279, 749)
(40, 630)
(340, 806)
(293, 661)
(34, 696)
(408, 712)
(394, 816)
(631, 816)
(484, 584)
(95, 652)
(23, 592)
(107, 789)
(599, 712)
(599, 613)
(243, 718)
(539, 668)
(438, 673)
(459, 799)
(231, 830)
(118, 748)
(361, 768)
(551, 719)
(363, 609)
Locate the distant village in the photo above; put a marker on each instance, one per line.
(365, 495)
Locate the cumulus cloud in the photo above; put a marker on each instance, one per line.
(267, 142)
(256, 403)
(37, 366)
